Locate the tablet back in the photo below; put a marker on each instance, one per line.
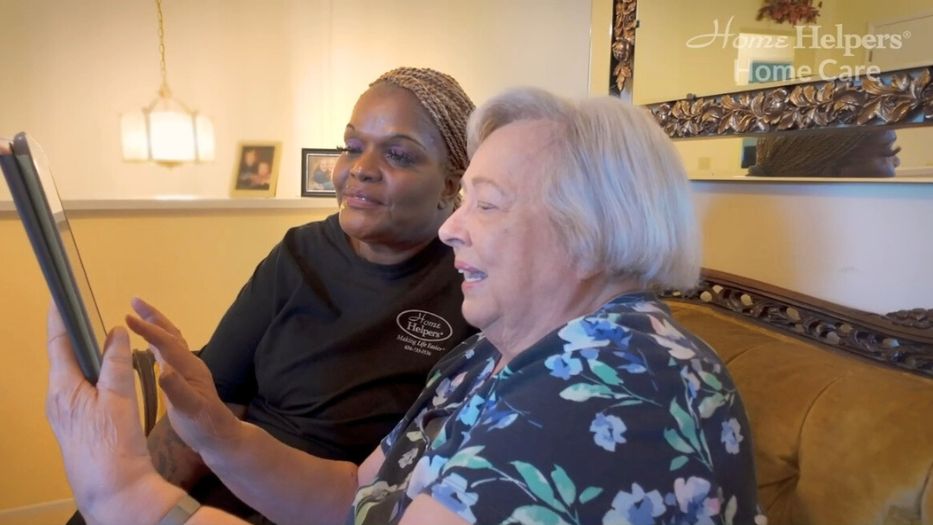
(40, 210)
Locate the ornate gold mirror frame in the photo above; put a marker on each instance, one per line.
(900, 97)
(902, 339)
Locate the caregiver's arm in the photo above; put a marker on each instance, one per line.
(284, 484)
(175, 460)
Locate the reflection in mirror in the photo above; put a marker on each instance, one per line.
(896, 155)
(708, 48)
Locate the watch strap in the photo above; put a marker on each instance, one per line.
(181, 512)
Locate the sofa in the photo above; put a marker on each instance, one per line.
(840, 436)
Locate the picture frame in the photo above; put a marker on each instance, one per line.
(317, 165)
(256, 170)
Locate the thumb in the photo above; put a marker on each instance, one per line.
(116, 372)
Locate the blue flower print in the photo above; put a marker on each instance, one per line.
(578, 336)
(669, 337)
(469, 413)
(607, 431)
(497, 415)
(636, 507)
(635, 364)
(443, 391)
(452, 494)
(732, 435)
(564, 365)
(691, 382)
(692, 501)
(603, 329)
(425, 472)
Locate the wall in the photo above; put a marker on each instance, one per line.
(190, 263)
(863, 245)
(79, 65)
(282, 70)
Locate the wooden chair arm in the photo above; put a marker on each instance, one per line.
(144, 364)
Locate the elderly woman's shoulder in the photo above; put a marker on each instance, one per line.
(633, 343)
(638, 328)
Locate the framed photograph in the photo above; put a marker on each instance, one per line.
(317, 165)
(257, 169)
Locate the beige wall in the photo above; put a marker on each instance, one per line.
(189, 263)
(283, 70)
(28, 453)
(863, 245)
(288, 71)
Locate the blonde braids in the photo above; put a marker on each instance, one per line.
(445, 101)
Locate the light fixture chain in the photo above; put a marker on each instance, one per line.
(163, 90)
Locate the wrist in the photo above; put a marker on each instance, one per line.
(181, 512)
(146, 501)
(225, 446)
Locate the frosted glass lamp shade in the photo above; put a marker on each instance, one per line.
(135, 140)
(168, 133)
(171, 136)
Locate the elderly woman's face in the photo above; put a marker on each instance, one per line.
(508, 251)
(391, 179)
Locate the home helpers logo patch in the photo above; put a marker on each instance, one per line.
(422, 330)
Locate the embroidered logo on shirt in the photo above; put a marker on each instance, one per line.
(421, 329)
(424, 326)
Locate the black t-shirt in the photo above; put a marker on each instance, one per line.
(328, 350)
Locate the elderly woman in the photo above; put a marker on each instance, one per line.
(581, 401)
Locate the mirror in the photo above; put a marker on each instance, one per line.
(789, 101)
(855, 154)
(725, 46)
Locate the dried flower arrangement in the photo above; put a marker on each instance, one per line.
(792, 11)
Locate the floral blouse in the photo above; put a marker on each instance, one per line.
(619, 417)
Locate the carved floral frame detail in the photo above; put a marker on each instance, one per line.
(901, 97)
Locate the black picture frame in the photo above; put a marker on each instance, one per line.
(316, 164)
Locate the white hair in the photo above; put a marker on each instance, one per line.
(614, 188)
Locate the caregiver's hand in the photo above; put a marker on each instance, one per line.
(99, 432)
(195, 410)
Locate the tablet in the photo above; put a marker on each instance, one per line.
(40, 210)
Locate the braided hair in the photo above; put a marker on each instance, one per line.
(445, 101)
(810, 155)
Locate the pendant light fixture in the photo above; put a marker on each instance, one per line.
(166, 131)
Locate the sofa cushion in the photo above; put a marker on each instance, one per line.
(838, 439)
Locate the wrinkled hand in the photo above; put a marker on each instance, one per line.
(98, 429)
(195, 410)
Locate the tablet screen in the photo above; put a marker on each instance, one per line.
(46, 224)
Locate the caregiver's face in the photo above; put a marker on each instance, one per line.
(505, 246)
(394, 172)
